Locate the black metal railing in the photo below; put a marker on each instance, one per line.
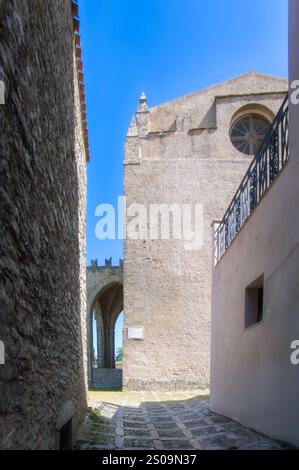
(264, 168)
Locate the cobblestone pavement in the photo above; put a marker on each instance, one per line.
(148, 420)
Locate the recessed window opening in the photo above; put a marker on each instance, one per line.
(254, 302)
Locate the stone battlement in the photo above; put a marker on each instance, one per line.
(108, 265)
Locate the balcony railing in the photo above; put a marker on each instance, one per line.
(264, 168)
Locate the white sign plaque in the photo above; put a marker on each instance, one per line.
(135, 333)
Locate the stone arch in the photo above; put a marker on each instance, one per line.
(105, 302)
(253, 108)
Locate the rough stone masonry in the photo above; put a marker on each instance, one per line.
(42, 231)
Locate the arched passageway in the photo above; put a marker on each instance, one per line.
(104, 305)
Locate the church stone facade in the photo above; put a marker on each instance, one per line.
(181, 153)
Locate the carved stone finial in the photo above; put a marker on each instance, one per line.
(142, 104)
(142, 114)
(108, 263)
(142, 98)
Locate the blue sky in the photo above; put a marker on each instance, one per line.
(167, 48)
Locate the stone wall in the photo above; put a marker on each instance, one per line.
(104, 379)
(180, 152)
(42, 230)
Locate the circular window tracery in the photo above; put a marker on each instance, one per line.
(248, 132)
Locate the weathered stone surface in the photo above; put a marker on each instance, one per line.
(42, 230)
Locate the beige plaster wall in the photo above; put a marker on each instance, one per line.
(252, 378)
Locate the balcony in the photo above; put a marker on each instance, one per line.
(263, 170)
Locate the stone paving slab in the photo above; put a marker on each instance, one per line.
(204, 431)
(196, 422)
(135, 425)
(175, 432)
(168, 421)
(136, 433)
(137, 443)
(177, 444)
